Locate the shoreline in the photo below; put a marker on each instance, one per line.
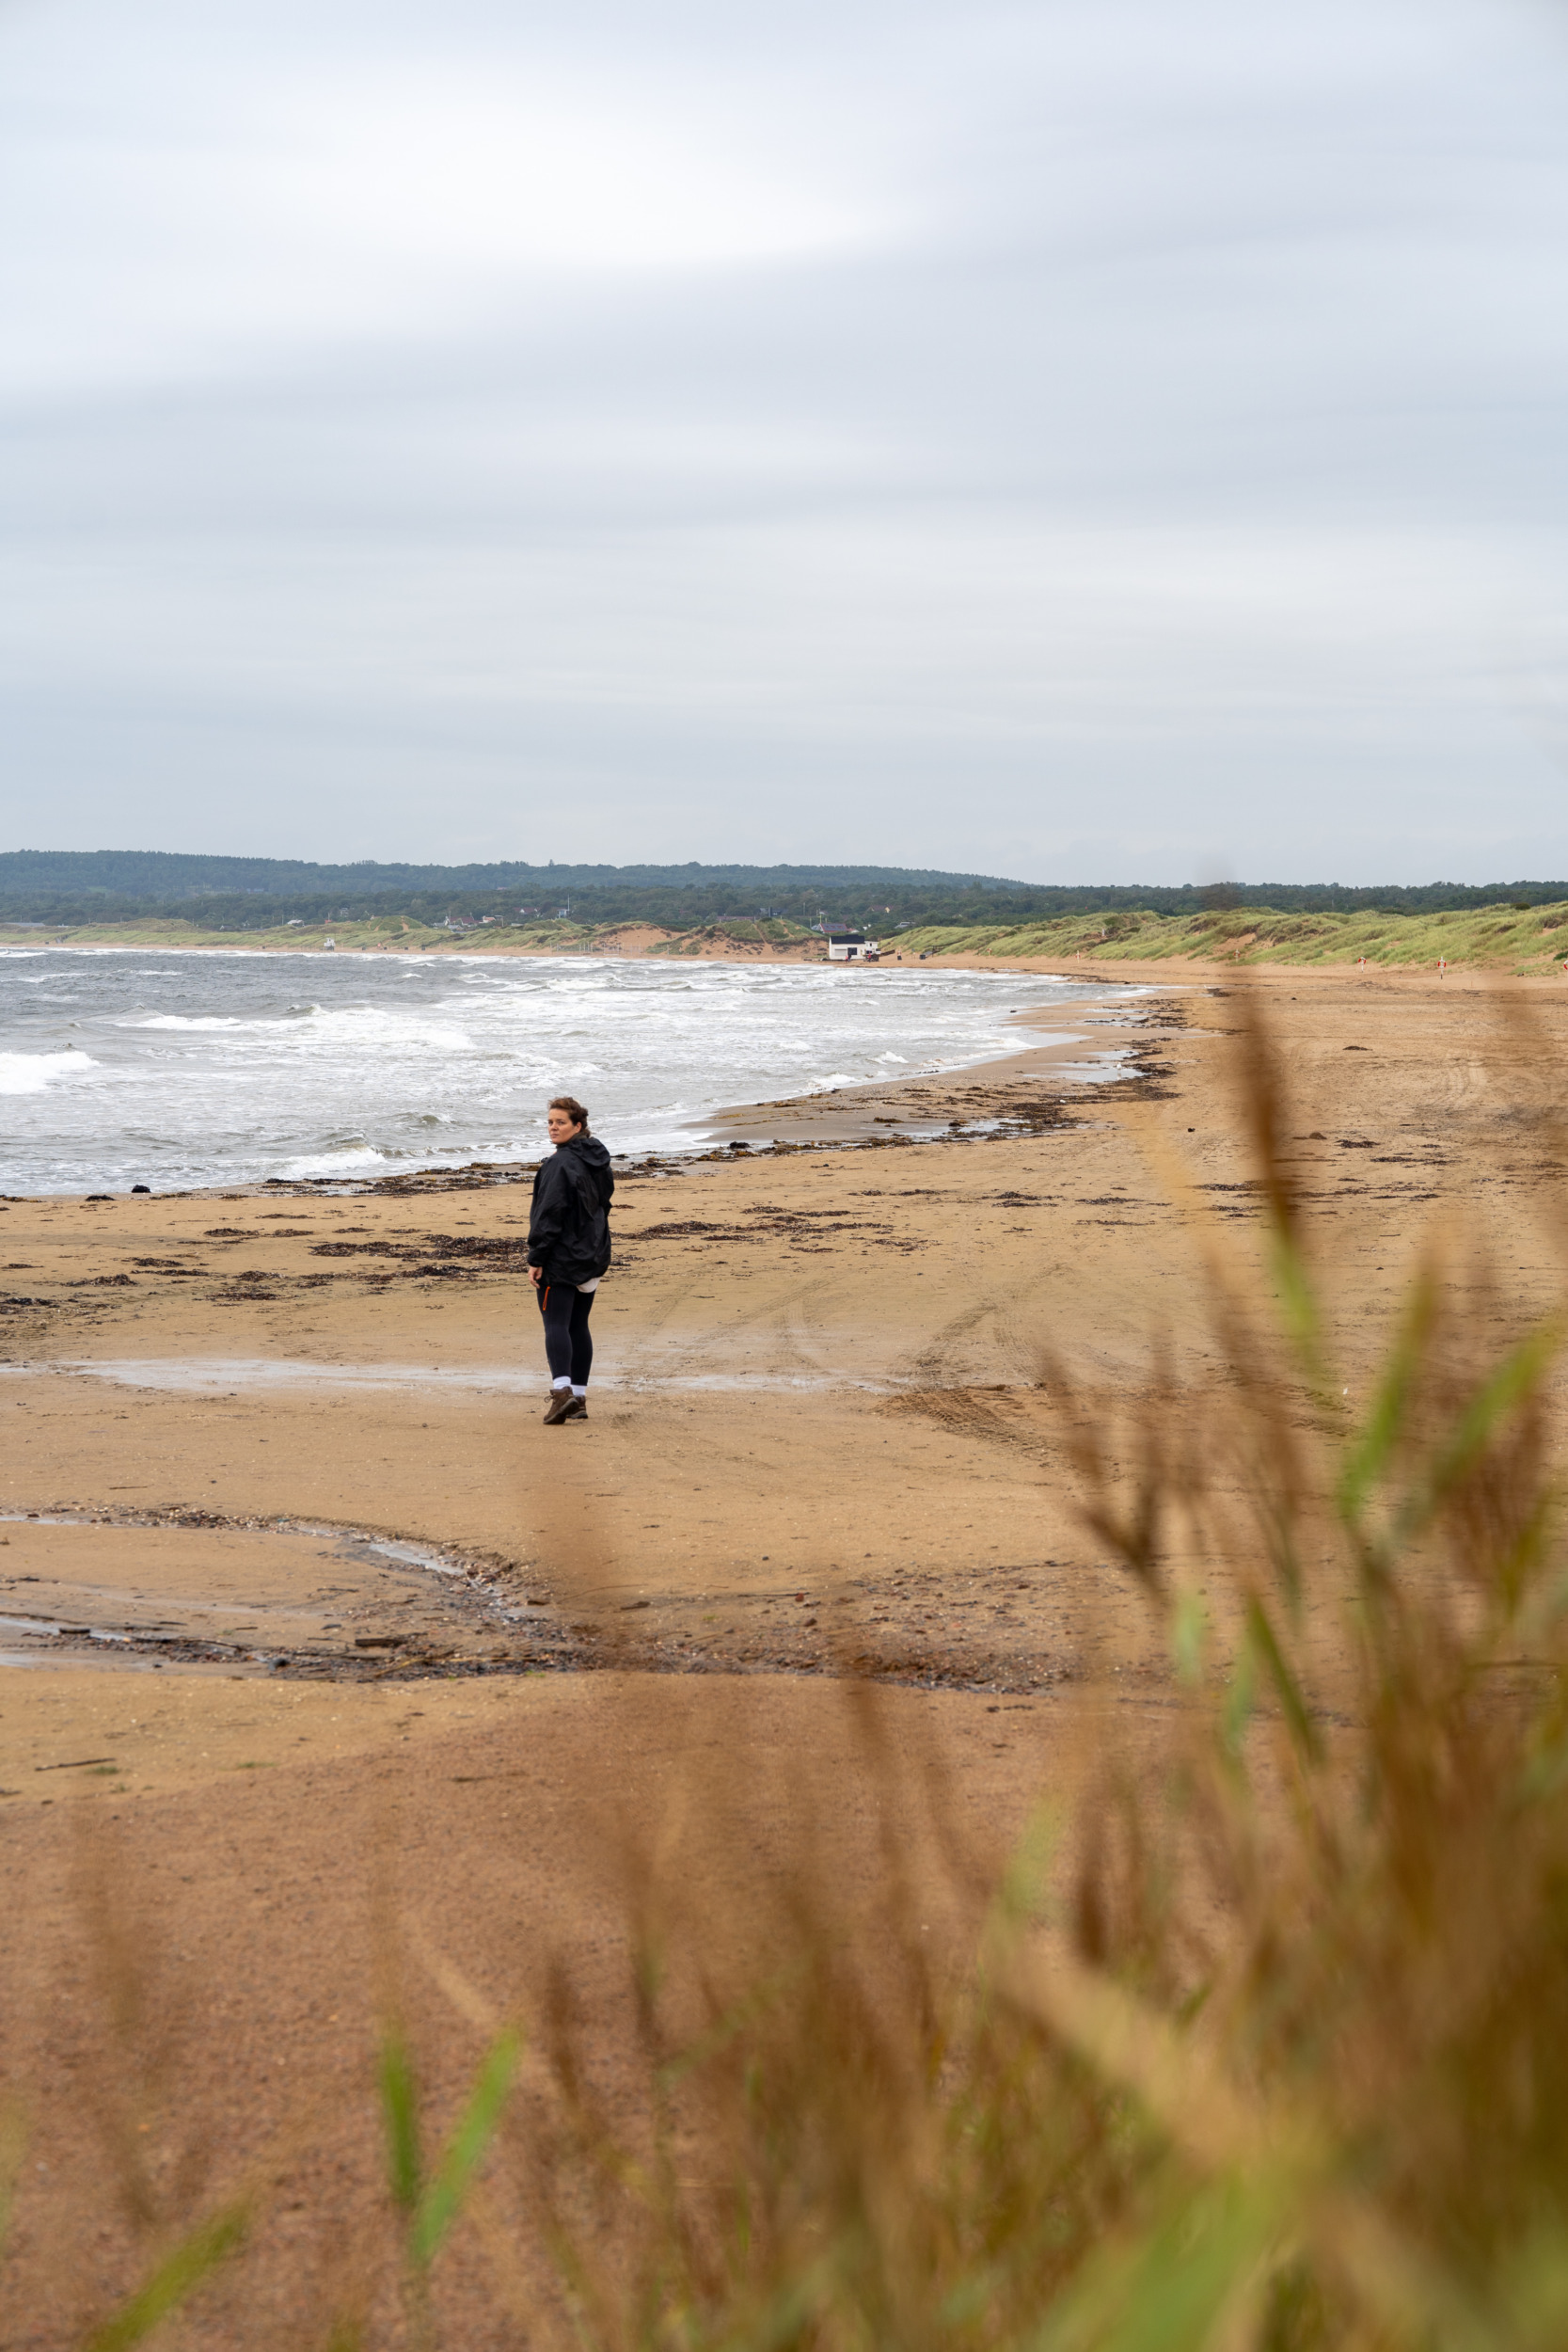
(912, 1107)
(360, 1356)
(927, 1108)
(1028, 1091)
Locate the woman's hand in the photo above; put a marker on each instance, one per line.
(535, 1274)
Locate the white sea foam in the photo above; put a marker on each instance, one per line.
(371, 1025)
(230, 1068)
(34, 1074)
(189, 1021)
(361, 1161)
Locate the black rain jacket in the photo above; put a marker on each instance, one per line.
(568, 1229)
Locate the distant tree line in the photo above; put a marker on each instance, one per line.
(69, 887)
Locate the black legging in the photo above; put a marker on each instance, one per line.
(567, 1341)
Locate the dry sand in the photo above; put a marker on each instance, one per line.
(818, 1434)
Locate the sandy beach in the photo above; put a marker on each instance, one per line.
(327, 1587)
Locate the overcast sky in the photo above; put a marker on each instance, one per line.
(1090, 440)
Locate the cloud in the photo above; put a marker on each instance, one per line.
(1109, 437)
(274, 203)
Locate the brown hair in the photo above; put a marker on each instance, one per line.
(573, 1109)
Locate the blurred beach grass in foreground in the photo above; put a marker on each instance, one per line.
(1266, 2046)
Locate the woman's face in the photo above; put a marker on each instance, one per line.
(561, 1127)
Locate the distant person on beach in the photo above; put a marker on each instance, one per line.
(568, 1251)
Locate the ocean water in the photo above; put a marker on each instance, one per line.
(126, 1066)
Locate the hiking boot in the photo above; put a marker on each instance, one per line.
(559, 1406)
(576, 1410)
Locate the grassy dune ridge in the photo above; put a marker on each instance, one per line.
(409, 935)
(1525, 939)
(1528, 939)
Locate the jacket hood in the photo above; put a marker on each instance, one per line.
(588, 1148)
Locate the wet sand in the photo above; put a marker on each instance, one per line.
(821, 1433)
(817, 1428)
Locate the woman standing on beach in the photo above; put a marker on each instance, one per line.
(568, 1251)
